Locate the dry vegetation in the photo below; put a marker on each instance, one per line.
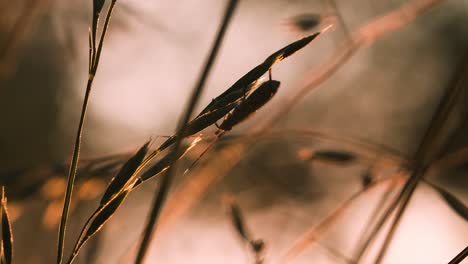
(205, 157)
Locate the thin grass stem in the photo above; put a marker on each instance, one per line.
(72, 172)
(166, 180)
(460, 257)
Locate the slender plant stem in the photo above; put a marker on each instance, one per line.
(95, 57)
(166, 180)
(460, 257)
(72, 172)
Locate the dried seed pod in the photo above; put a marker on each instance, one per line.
(250, 105)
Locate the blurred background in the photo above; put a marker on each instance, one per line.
(385, 95)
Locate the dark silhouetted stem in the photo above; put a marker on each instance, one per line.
(460, 257)
(166, 180)
(424, 155)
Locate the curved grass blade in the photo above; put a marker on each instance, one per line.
(125, 174)
(451, 200)
(7, 234)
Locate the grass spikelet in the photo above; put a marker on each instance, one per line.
(257, 246)
(199, 123)
(164, 163)
(251, 104)
(239, 89)
(7, 234)
(290, 49)
(237, 218)
(125, 174)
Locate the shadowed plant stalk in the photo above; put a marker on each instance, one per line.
(166, 180)
(94, 57)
